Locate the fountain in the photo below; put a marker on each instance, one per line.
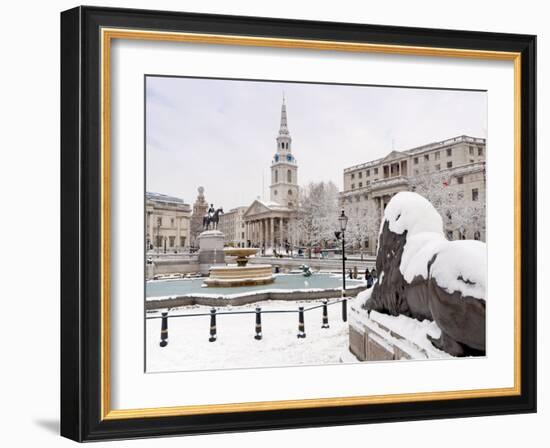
(240, 274)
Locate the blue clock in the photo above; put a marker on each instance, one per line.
(289, 158)
(276, 157)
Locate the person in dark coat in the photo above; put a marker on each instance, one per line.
(369, 279)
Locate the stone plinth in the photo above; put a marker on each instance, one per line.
(210, 250)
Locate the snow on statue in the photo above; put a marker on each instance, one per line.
(425, 276)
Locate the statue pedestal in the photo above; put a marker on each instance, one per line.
(210, 250)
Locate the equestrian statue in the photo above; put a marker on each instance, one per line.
(212, 217)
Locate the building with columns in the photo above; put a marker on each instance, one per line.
(270, 223)
(167, 221)
(450, 173)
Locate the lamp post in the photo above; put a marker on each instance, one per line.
(343, 219)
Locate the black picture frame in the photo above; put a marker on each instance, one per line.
(81, 211)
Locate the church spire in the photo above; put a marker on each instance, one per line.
(283, 130)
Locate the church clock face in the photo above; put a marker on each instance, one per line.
(276, 157)
(289, 158)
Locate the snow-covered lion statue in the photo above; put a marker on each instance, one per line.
(423, 275)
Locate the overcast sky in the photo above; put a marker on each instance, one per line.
(221, 134)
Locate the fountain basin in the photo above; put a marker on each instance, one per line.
(242, 254)
(235, 275)
(184, 292)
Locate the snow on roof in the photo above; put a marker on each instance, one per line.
(459, 265)
(163, 197)
(272, 204)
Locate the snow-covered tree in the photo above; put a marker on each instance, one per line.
(458, 211)
(363, 224)
(317, 214)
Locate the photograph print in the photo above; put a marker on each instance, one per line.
(291, 223)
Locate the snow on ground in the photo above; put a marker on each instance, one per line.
(189, 349)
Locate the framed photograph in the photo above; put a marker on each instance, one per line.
(272, 223)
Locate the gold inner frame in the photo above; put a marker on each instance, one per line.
(107, 35)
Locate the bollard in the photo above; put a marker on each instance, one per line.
(213, 335)
(301, 326)
(258, 335)
(325, 315)
(345, 310)
(164, 329)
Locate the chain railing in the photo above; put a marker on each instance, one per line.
(258, 312)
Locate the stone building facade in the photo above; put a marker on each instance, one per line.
(450, 173)
(167, 221)
(269, 224)
(233, 227)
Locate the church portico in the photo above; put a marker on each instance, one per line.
(267, 224)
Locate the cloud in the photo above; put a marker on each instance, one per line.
(221, 133)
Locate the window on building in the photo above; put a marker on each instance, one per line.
(376, 171)
(437, 155)
(172, 222)
(438, 167)
(368, 183)
(360, 184)
(158, 241)
(368, 173)
(426, 157)
(275, 192)
(172, 240)
(460, 180)
(449, 164)
(360, 175)
(182, 241)
(449, 152)
(477, 235)
(290, 192)
(289, 176)
(479, 151)
(449, 234)
(415, 160)
(460, 195)
(353, 175)
(353, 186)
(475, 194)
(471, 148)
(276, 176)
